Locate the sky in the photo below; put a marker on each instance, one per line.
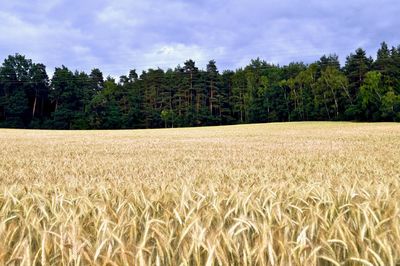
(119, 35)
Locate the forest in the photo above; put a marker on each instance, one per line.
(364, 89)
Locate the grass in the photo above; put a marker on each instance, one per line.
(268, 194)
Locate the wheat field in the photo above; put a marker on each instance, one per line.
(320, 193)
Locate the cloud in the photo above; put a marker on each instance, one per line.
(52, 43)
(166, 55)
(113, 16)
(120, 35)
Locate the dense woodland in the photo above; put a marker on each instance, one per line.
(362, 90)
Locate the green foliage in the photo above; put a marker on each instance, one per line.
(23, 89)
(391, 106)
(168, 117)
(371, 94)
(363, 89)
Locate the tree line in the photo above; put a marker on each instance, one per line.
(363, 89)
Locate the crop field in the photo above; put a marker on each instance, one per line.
(318, 193)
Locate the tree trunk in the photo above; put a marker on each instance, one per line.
(220, 113)
(241, 108)
(211, 99)
(41, 106)
(180, 106)
(197, 102)
(287, 104)
(347, 93)
(336, 102)
(326, 107)
(34, 107)
(191, 89)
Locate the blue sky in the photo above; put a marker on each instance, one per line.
(116, 36)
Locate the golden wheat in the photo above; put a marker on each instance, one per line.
(274, 194)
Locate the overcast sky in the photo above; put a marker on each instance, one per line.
(116, 36)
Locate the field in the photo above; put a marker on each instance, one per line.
(267, 194)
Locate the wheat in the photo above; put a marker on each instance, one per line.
(273, 194)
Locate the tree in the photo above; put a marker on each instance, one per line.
(225, 98)
(39, 90)
(188, 96)
(105, 109)
(18, 91)
(96, 79)
(154, 85)
(212, 84)
(131, 102)
(239, 91)
(357, 65)
(189, 75)
(326, 61)
(390, 107)
(67, 96)
(304, 85)
(382, 59)
(371, 94)
(332, 85)
(167, 116)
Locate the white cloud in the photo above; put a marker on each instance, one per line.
(159, 55)
(120, 35)
(168, 55)
(50, 43)
(116, 17)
